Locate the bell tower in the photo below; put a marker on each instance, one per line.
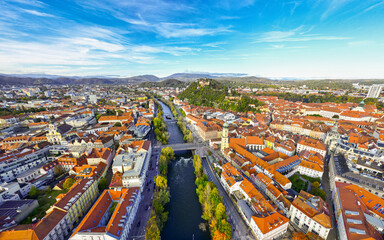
(224, 137)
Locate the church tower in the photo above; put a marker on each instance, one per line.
(224, 137)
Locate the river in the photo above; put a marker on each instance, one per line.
(184, 208)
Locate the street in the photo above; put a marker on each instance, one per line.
(144, 210)
(240, 229)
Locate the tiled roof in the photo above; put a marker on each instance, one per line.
(373, 202)
(28, 234)
(305, 203)
(50, 221)
(270, 222)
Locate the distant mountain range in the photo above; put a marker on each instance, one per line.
(165, 83)
(227, 78)
(60, 80)
(41, 79)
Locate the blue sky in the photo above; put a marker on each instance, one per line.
(270, 38)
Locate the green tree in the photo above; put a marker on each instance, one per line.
(225, 227)
(152, 230)
(117, 124)
(163, 162)
(68, 183)
(197, 165)
(316, 184)
(103, 184)
(157, 122)
(220, 211)
(168, 153)
(161, 182)
(34, 192)
(318, 192)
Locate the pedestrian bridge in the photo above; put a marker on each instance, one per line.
(181, 146)
(171, 121)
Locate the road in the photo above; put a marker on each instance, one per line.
(327, 188)
(144, 210)
(240, 229)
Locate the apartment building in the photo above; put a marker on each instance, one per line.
(19, 161)
(78, 200)
(102, 223)
(311, 214)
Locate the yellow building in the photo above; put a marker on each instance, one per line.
(224, 137)
(269, 142)
(56, 134)
(78, 200)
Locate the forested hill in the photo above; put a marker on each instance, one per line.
(211, 93)
(166, 83)
(206, 94)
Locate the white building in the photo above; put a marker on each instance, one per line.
(310, 144)
(93, 99)
(310, 169)
(16, 163)
(133, 164)
(270, 227)
(374, 91)
(310, 214)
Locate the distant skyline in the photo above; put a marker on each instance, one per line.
(266, 38)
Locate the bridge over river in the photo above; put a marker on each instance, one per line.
(180, 146)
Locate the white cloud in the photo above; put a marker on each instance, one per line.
(177, 30)
(37, 13)
(95, 44)
(176, 51)
(297, 35)
(333, 6)
(360, 43)
(276, 36)
(214, 44)
(28, 2)
(374, 6)
(283, 46)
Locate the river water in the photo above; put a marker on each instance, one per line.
(184, 208)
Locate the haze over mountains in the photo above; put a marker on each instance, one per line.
(151, 80)
(37, 79)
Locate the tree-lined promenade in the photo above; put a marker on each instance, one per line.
(160, 125)
(161, 197)
(182, 125)
(212, 203)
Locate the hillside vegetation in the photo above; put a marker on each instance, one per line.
(209, 95)
(174, 83)
(212, 93)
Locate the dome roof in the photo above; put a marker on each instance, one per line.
(362, 104)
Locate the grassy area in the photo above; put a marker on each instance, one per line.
(298, 184)
(113, 207)
(46, 200)
(312, 180)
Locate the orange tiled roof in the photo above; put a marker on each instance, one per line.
(369, 199)
(254, 140)
(28, 234)
(271, 222)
